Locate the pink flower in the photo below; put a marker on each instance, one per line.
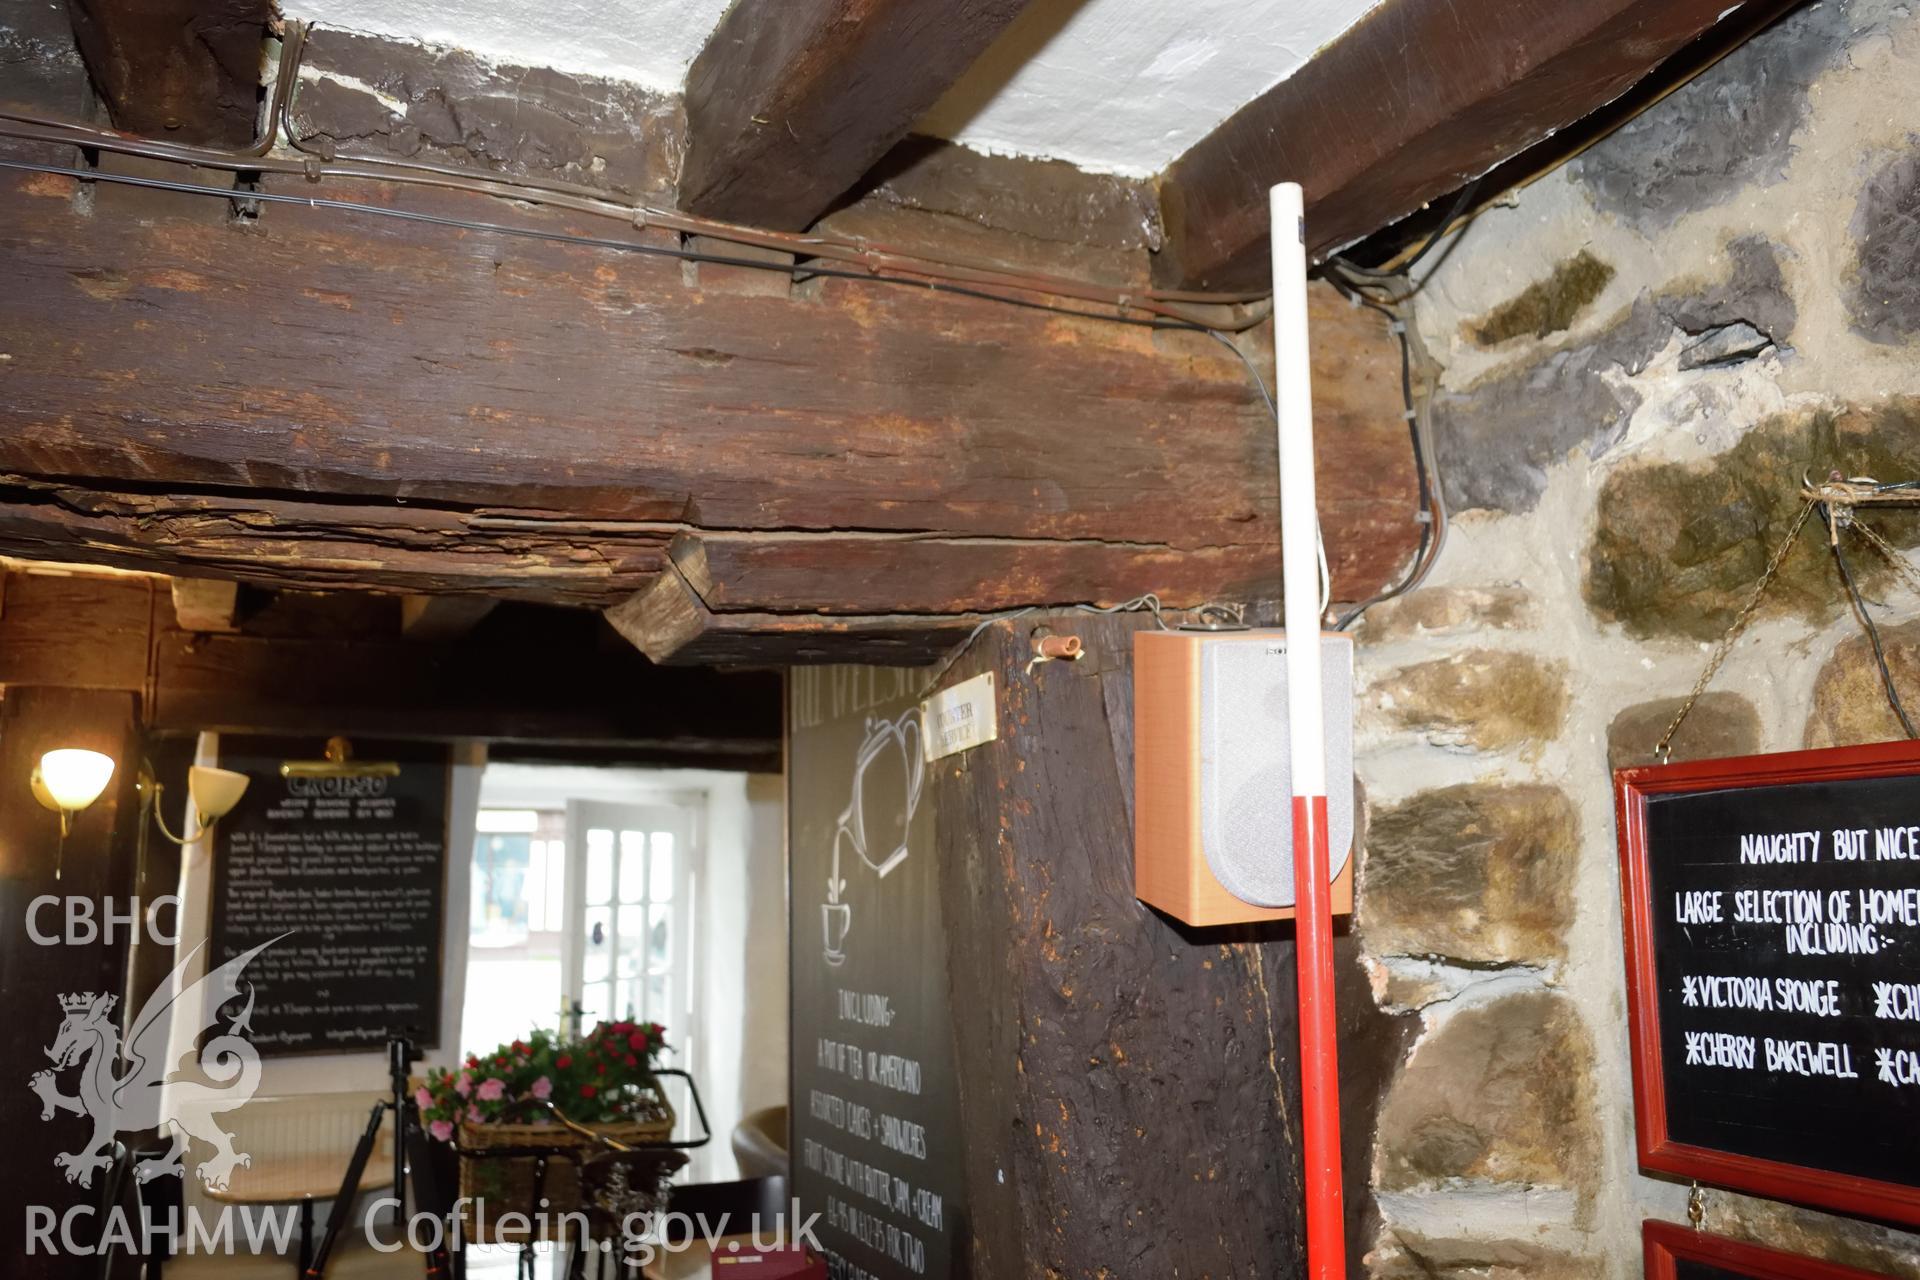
(542, 1089)
(442, 1130)
(473, 1115)
(492, 1090)
(464, 1085)
(424, 1098)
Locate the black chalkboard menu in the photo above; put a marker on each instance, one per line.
(876, 1146)
(1773, 960)
(1674, 1252)
(352, 870)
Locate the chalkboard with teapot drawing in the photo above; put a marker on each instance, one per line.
(876, 1136)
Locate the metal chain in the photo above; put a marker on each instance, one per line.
(1893, 557)
(1740, 620)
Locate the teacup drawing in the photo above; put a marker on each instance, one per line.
(835, 919)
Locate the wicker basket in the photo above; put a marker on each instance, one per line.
(515, 1184)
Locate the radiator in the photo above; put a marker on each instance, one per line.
(292, 1140)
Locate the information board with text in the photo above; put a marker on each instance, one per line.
(349, 875)
(1774, 956)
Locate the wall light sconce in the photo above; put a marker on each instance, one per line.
(66, 781)
(69, 779)
(212, 793)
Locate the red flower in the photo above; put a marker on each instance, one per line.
(519, 1046)
(600, 1068)
(472, 1060)
(587, 1091)
(632, 1061)
(637, 1041)
(564, 1061)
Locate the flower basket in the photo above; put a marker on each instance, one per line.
(498, 1182)
(554, 1125)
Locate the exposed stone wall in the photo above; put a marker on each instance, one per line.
(1636, 360)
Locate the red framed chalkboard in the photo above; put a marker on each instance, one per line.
(1772, 916)
(1674, 1252)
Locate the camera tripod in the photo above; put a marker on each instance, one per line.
(412, 1155)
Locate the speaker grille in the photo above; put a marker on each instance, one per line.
(1246, 791)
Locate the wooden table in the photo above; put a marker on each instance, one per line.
(302, 1179)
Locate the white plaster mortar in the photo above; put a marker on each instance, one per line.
(1684, 415)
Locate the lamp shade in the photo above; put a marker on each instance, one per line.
(75, 777)
(215, 791)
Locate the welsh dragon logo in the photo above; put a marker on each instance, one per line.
(125, 1090)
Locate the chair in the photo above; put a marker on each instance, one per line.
(760, 1143)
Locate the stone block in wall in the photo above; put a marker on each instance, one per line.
(1481, 873)
(1726, 131)
(1866, 1246)
(1678, 546)
(1483, 699)
(1405, 1256)
(1446, 609)
(1884, 301)
(1501, 1093)
(1494, 443)
(1721, 724)
(1850, 703)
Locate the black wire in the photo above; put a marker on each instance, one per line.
(798, 272)
(599, 242)
(1253, 372)
(1426, 507)
(1873, 632)
(1458, 207)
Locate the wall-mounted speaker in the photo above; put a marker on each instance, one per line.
(1213, 794)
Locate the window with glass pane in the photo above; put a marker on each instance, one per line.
(632, 955)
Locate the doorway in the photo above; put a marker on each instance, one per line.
(644, 894)
(628, 951)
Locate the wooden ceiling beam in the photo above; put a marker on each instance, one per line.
(672, 625)
(439, 619)
(182, 70)
(205, 604)
(792, 101)
(315, 664)
(1413, 102)
(321, 399)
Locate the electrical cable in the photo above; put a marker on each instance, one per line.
(875, 263)
(317, 163)
(599, 242)
(1432, 506)
(1454, 211)
(1319, 537)
(1866, 619)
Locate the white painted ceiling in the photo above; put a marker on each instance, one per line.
(1115, 86)
(648, 42)
(1126, 86)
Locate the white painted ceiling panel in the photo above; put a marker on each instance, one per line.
(1114, 86)
(1126, 86)
(646, 42)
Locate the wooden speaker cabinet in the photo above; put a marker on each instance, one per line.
(1213, 818)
